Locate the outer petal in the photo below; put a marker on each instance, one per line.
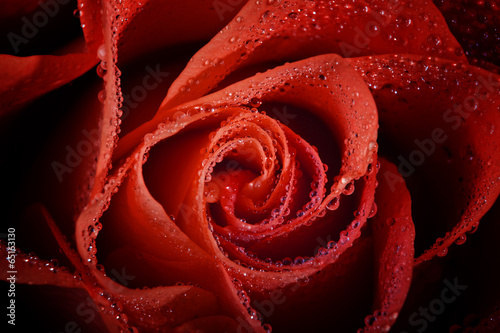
(464, 281)
(147, 26)
(276, 31)
(439, 122)
(23, 79)
(476, 25)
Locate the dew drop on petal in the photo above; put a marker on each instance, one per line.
(101, 52)
(461, 240)
(333, 204)
(434, 40)
(255, 102)
(373, 210)
(349, 189)
(443, 252)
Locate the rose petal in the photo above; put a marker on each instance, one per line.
(90, 13)
(267, 31)
(22, 79)
(212, 324)
(439, 122)
(147, 26)
(393, 234)
(56, 309)
(30, 269)
(475, 25)
(489, 324)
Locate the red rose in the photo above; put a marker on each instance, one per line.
(308, 167)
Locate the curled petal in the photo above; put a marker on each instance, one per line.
(135, 220)
(240, 177)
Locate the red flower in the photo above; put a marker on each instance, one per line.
(309, 167)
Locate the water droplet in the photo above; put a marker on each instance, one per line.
(101, 70)
(333, 204)
(461, 240)
(470, 103)
(459, 52)
(434, 40)
(212, 192)
(349, 189)
(102, 96)
(322, 251)
(101, 52)
(255, 102)
(474, 228)
(369, 320)
(390, 221)
(343, 238)
(443, 252)
(373, 210)
(267, 328)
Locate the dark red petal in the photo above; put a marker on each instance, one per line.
(30, 269)
(489, 324)
(476, 25)
(147, 26)
(393, 234)
(22, 79)
(465, 282)
(277, 31)
(211, 324)
(439, 123)
(90, 14)
(49, 308)
(16, 9)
